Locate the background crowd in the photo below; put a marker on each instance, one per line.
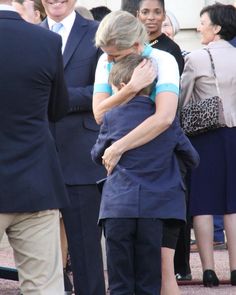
(114, 83)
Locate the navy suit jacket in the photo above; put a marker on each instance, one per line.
(146, 182)
(32, 90)
(77, 132)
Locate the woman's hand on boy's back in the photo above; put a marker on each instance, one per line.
(111, 157)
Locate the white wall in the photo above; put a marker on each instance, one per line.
(186, 11)
(112, 4)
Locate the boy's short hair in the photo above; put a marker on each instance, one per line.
(123, 69)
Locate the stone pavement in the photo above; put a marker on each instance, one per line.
(221, 257)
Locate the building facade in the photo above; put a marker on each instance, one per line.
(187, 12)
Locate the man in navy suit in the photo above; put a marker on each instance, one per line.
(75, 136)
(145, 187)
(32, 92)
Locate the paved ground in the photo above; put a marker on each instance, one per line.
(11, 288)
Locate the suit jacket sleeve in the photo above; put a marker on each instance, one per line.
(102, 143)
(58, 100)
(81, 97)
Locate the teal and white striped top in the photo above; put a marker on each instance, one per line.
(167, 72)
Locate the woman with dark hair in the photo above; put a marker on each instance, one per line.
(152, 14)
(212, 184)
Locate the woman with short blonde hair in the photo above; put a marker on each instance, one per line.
(119, 29)
(121, 34)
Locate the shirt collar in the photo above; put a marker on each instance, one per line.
(219, 44)
(7, 7)
(147, 50)
(67, 22)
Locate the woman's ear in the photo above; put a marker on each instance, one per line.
(137, 47)
(217, 29)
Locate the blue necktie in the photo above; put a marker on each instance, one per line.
(56, 27)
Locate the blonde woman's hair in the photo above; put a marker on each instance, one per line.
(120, 29)
(84, 12)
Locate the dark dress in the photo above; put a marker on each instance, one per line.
(213, 183)
(166, 44)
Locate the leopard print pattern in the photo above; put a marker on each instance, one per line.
(201, 116)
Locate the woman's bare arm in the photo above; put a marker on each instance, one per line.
(102, 102)
(143, 75)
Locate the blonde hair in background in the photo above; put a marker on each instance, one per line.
(174, 22)
(84, 12)
(120, 29)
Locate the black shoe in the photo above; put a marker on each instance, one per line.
(67, 283)
(210, 278)
(180, 277)
(233, 278)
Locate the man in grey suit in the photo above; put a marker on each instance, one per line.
(32, 92)
(75, 136)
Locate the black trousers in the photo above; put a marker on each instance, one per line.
(133, 255)
(182, 251)
(84, 239)
(171, 231)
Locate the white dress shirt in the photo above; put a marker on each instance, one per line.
(65, 30)
(7, 7)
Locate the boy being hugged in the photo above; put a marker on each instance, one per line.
(144, 188)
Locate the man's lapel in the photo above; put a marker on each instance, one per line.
(77, 33)
(44, 24)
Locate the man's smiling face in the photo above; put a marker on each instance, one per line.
(58, 9)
